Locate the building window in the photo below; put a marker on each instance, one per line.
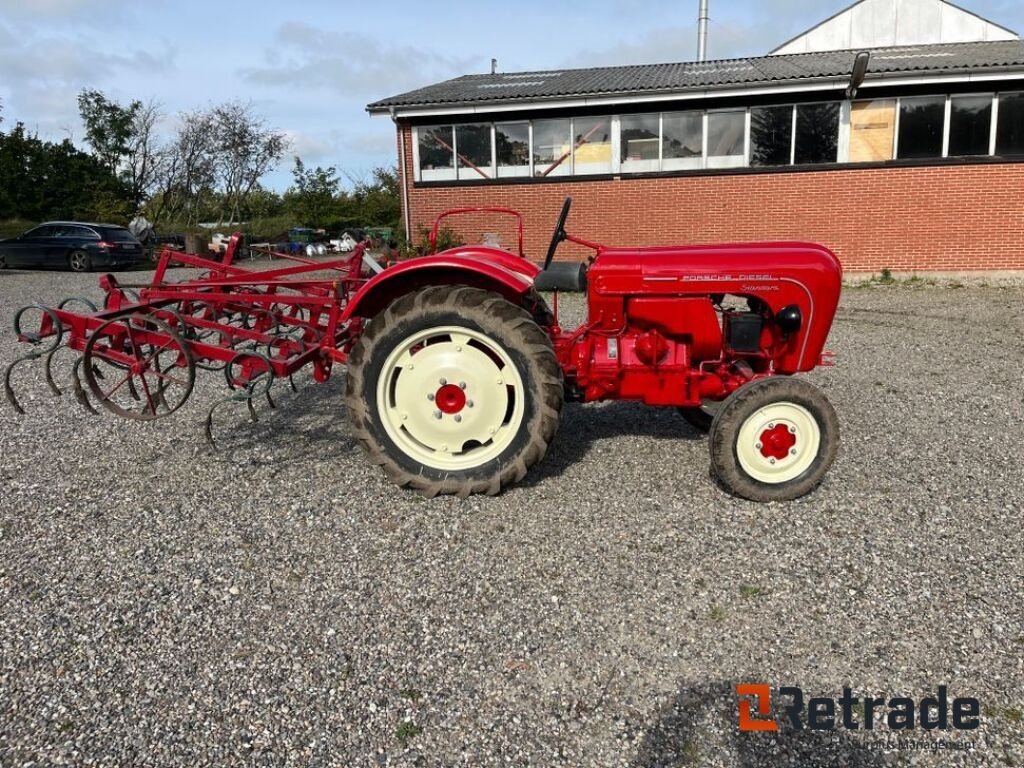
(512, 148)
(639, 142)
(817, 134)
(726, 139)
(592, 145)
(1010, 131)
(552, 148)
(437, 153)
(474, 148)
(922, 119)
(872, 131)
(771, 136)
(682, 140)
(970, 125)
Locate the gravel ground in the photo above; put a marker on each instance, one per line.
(279, 603)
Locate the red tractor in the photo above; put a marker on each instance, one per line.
(457, 369)
(457, 387)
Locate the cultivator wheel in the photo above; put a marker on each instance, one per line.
(774, 440)
(454, 390)
(138, 368)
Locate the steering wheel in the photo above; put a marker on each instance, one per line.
(559, 234)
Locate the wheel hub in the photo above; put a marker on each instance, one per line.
(777, 441)
(450, 399)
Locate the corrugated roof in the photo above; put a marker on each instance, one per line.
(761, 71)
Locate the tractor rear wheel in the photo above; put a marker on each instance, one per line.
(454, 390)
(774, 440)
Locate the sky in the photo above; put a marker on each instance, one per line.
(310, 67)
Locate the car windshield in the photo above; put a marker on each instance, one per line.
(117, 235)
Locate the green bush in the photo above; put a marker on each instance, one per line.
(13, 227)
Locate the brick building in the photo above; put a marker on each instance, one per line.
(919, 165)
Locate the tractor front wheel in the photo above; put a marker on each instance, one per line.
(454, 390)
(774, 440)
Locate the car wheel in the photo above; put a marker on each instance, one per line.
(3, 261)
(79, 261)
(774, 440)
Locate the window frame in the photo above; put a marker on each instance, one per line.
(992, 128)
(839, 130)
(529, 149)
(943, 144)
(745, 156)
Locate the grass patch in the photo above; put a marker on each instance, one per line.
(717, 614)
(406, 732)
(751, 590)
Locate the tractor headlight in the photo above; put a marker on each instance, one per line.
(789, 319)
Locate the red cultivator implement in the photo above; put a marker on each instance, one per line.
(139, 354)
(456, 369)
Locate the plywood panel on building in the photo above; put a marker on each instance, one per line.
(872, 130)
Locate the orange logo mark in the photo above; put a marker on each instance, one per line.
(763, 695)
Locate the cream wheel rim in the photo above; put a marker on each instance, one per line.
(451, 398)
(778, 443)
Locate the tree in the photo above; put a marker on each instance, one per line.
(312, 199)
(143, 152)
(46, 180)
(244, 150)
(378, 200)
(108, 126)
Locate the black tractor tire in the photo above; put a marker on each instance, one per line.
(79, 261)
(507, 327)
(739, 419)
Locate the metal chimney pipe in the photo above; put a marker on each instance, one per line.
(702, 32)
(494, 66)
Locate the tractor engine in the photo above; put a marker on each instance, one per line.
(670, 350)
(678, 326)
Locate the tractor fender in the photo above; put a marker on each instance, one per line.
(486, 268)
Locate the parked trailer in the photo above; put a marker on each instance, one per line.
(457, 369)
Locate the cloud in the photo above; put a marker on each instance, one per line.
(96, 11)
(311, 57)
(44, 70)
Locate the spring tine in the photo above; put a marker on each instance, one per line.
(98, 373)
(291, 383)
(8, 389)
(270, 402)
(133, 391)
(80, 395)
(208, 427)
(48, 368)
(252, 410)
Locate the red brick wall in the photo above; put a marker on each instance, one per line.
(937, 218)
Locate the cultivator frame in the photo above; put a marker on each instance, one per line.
(139, 354)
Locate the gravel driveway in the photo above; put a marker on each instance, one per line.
(279, 603)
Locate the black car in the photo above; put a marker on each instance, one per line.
(70, 244)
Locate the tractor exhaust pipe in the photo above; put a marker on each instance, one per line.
(702, 31)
